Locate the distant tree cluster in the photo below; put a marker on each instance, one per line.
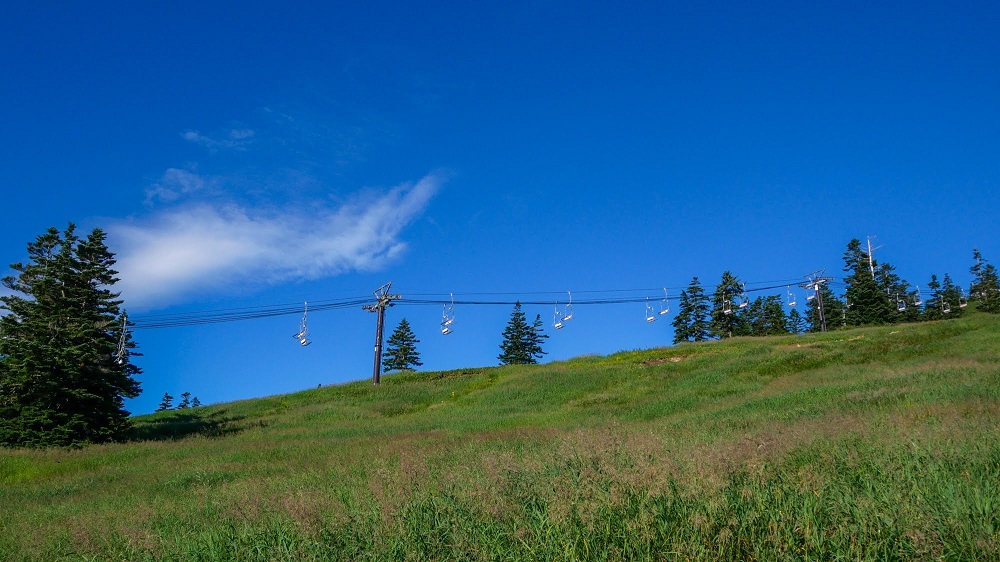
(187, 401)
(874, 295)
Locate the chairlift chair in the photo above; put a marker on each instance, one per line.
(665, 303)
(962, 301)
(791, 296)
(650, 315)
(900, 304)
(557, 321)
(303, 333)
(744, 299)
(727, 305)
(448, 316)
(945, 307)
(122, 352)
(917, 301)
(568, 311)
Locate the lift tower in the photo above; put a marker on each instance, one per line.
(383, 301)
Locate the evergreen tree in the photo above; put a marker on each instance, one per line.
(401, 351)
(934, 306)
(766, 316)
(692, 321)
(521, 342)
(726, 320)
(185, 401)
(166, 403)
(682, 320)
(985, 286)
(65, 365)
(896, 291)
(952, 295)
(796, 323)
(538, 337)
(195, 402)
(868, 302)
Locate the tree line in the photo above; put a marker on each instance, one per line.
(874, 294)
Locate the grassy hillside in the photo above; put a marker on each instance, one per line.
(875, 444)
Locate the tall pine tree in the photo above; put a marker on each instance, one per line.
(522, 343)
(65, 366)
(692, 320)
(869, 304)
(401, 350)
(985, 286)
(727, 320)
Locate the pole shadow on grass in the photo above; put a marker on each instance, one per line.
(181, 424)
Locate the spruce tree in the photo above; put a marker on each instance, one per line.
(401, 352)
(985, 286)
(692, 320)
(953, 296)
(65, 353)
(185, 401)
(934, 306)
(682, 320)
(796, 323)
(723, 324)
(869, 304)
(538, 337)
(195, 402)
(521, 342)
(166, 402)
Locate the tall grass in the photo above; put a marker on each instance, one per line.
(872, 444)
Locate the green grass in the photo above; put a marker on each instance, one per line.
(868, 444)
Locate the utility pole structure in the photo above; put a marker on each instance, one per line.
(383, 301)
(816, 279)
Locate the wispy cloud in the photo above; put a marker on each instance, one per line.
(233, 139)
(168, 256)
(174, 184)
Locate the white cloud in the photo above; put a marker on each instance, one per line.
(208, 247)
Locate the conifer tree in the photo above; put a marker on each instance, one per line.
(952, 295)
(185, 401)
(166, 402)
(195, 402)
(726, 320)
(401, 351)
(796, 323)
(868, 303)
(766, 316)
(934, 306)
(692, 320)
(538, 337)
(985, 286)
(682, 320)
(65, 366)
(521, 342)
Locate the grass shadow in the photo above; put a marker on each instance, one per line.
(180, 424)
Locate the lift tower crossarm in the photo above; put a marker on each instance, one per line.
(383, 301)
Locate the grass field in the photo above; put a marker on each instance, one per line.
(868, 444)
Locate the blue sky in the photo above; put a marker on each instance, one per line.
(254, 154)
